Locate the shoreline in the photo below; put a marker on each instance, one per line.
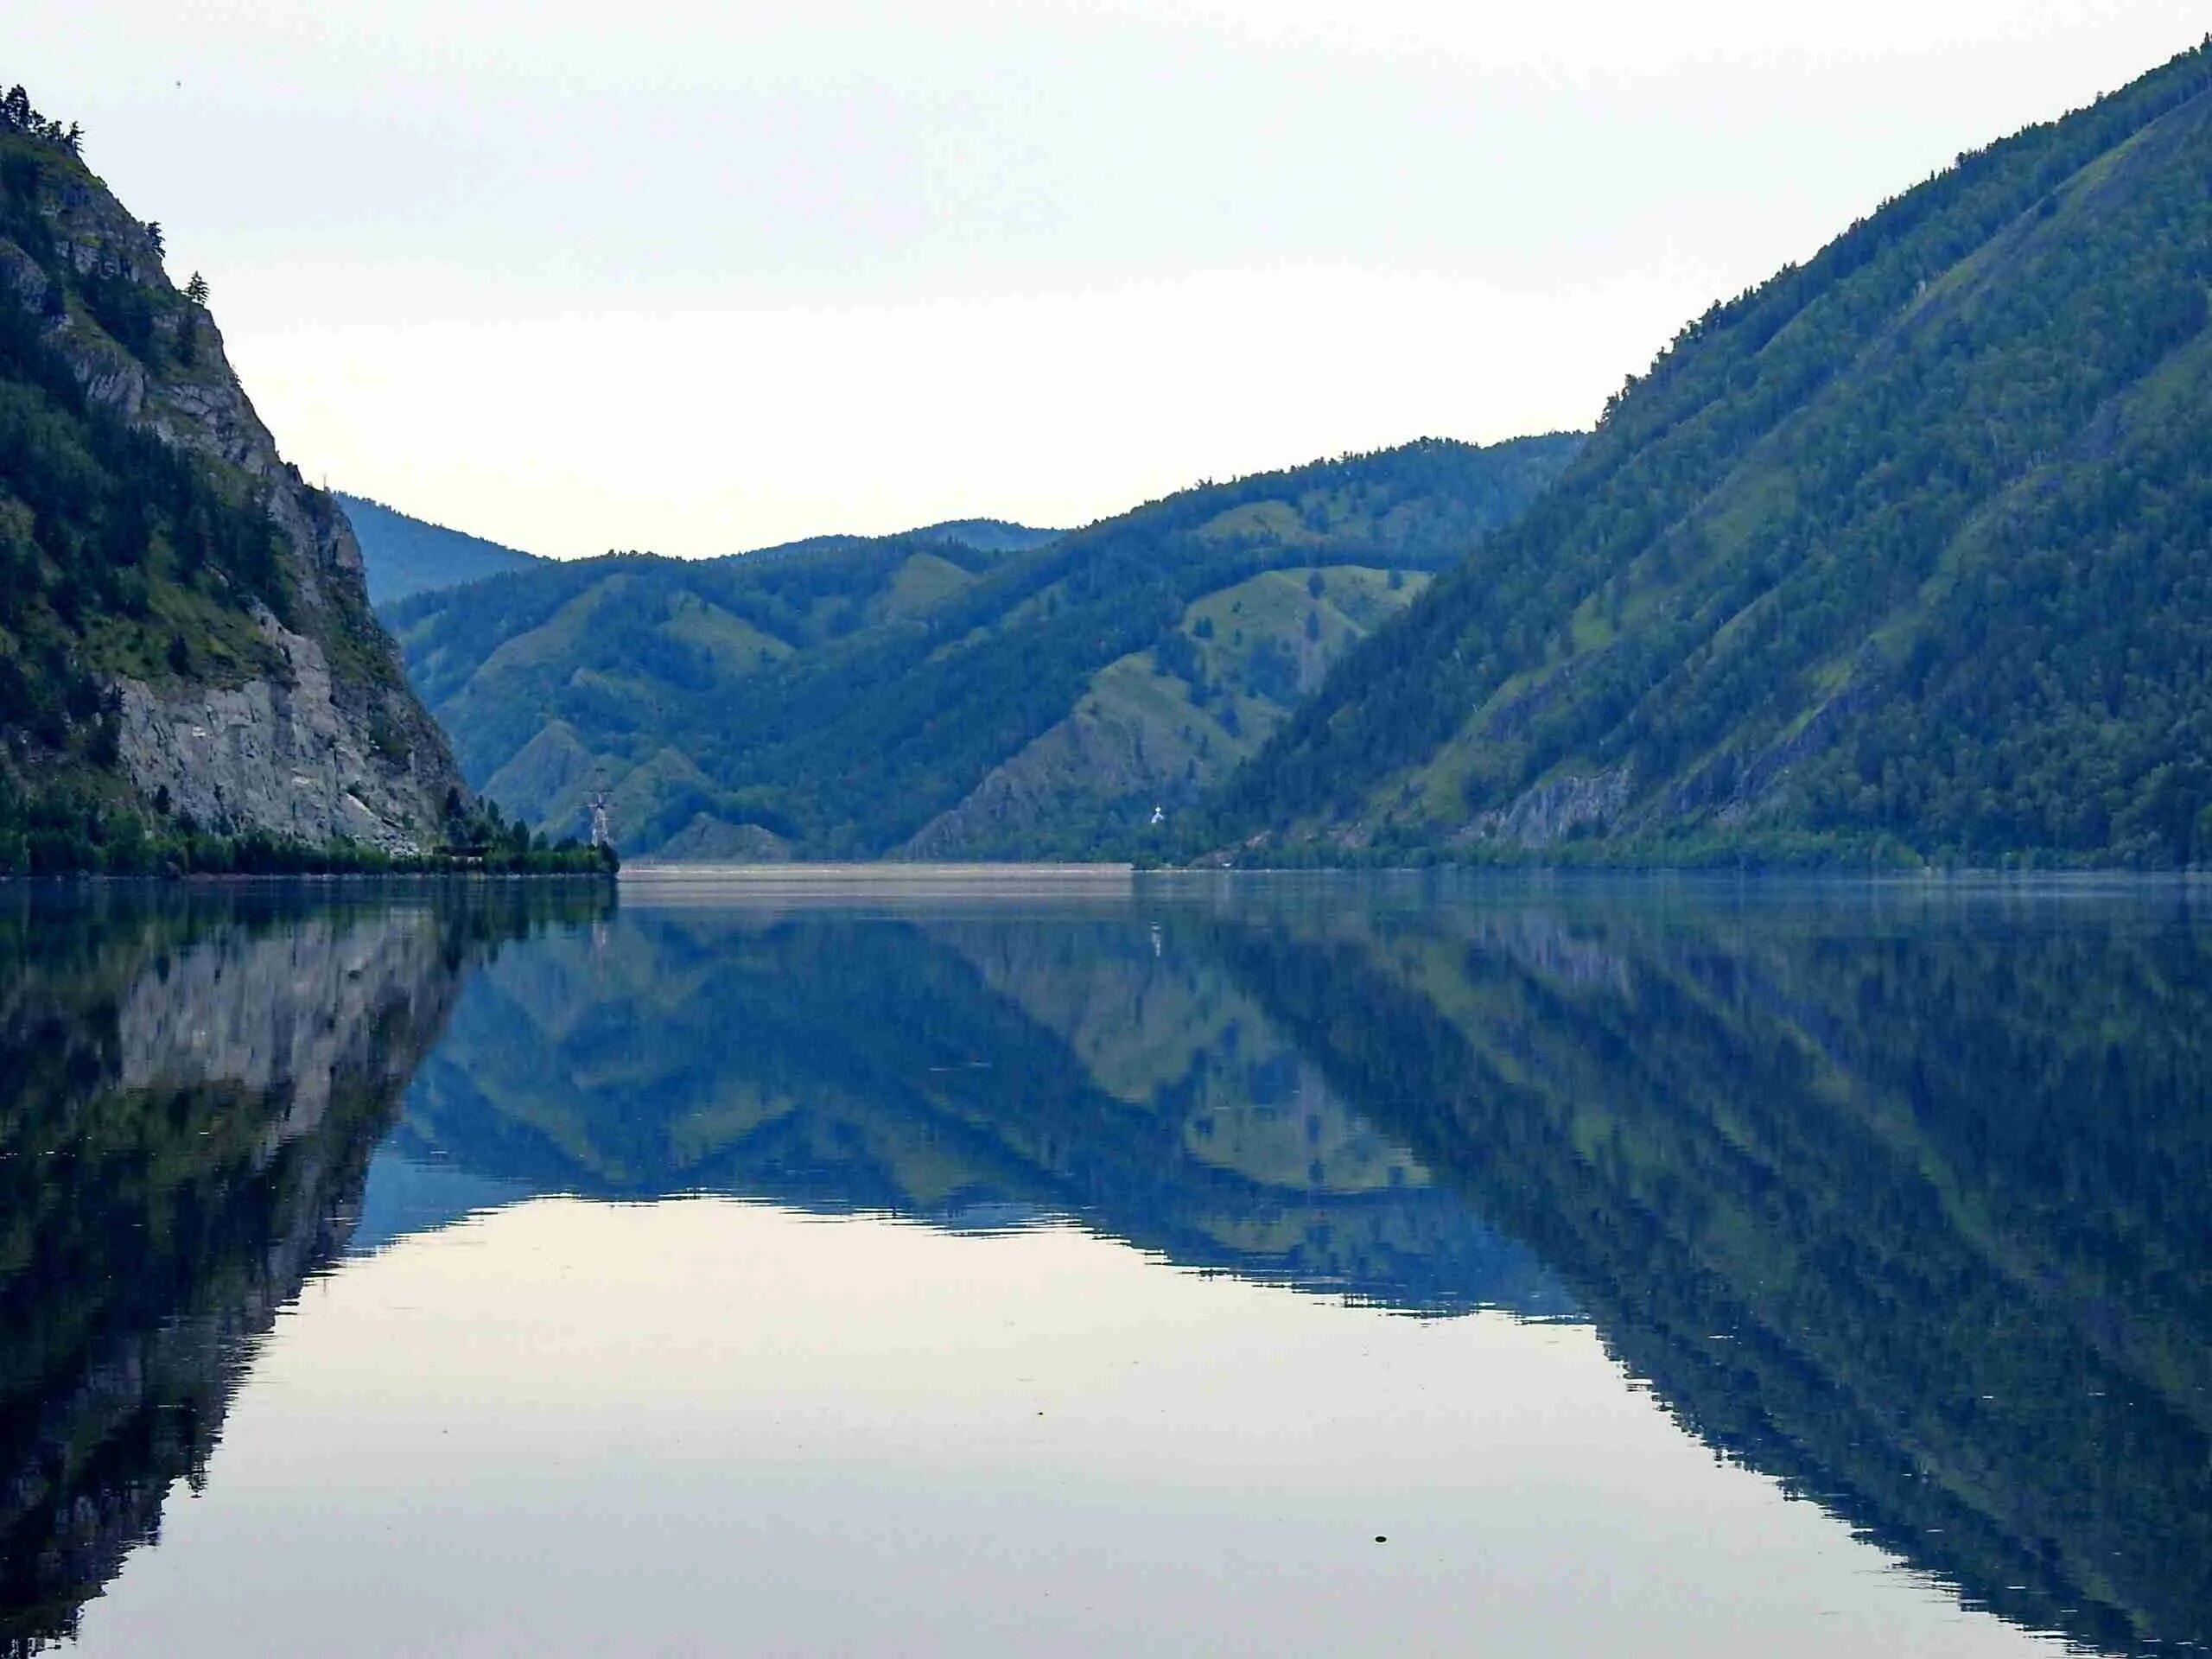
(885, 873)
(1042, 877)
(782, 885)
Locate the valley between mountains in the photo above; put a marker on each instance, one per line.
(971, 690)
(1901, 558)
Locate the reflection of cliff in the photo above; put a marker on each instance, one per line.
(962, 1071)
(189, 1090)
(1910, 1212)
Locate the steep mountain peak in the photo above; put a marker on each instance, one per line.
(184, 630)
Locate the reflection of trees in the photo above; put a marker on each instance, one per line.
(189, 1090)
(1912, 1216)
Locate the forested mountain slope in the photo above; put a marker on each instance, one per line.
(611, 672)
(949, 692)
(185, 644)
(1910, 548)
(403, 556)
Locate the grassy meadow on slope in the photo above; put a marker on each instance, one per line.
(1155, 726)
(1907, 551)
(950, 692)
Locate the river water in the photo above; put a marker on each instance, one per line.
(1182, 1264)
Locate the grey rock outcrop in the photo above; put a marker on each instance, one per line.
(275, 755)
(1548, 812)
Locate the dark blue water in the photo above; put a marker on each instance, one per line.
(1266, 1265)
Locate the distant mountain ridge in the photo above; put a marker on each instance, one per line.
(990, 535)
(975, 689)
(403, 556)
(982, 535)
(1905, 553)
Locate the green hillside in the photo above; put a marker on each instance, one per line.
(949, 692)
(611, 672)
(401, 555)
(1907, 551)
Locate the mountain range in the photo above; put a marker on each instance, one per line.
(404, 555)
(1902, 556)
(973, 691)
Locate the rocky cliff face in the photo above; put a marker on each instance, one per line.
(310, 731)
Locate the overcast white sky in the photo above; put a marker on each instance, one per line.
(700, 277)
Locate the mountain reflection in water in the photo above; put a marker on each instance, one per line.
(967, 1068)
(191, 1085)
(1904, 1199)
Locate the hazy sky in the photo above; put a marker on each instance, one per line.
(698, 277)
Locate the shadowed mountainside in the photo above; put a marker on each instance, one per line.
(1907, 551)
(403, 556)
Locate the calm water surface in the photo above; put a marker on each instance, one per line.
(1266, 1265)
